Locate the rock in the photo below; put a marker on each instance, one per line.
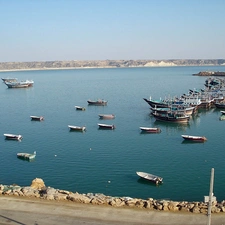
(37, 183)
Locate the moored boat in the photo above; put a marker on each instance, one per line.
(17, 137)
(223, 112)
(174, 117)
(106, 116)
(80, 108)
(106, 126)
(19, 84)
(77, 128)
(27, 156)
(153, 178)
(97, 102)
(150, 129)
(220, 105)
(194, 138)
(37, 118)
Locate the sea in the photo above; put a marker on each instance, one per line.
(106, 161)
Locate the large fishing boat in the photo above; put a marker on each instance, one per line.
(172, 116)
(20, 84)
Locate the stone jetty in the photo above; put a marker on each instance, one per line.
(210, 73)
(38, 189)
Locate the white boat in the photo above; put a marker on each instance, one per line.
(76, 128)
(222, 112)
(39, 118)
(19, 84)
(150, 177)
(150, 129)
(194, 138)
(106, 126)
(106, 116)
(26, 156)
(13, 136)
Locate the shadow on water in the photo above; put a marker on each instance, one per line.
(172, 126)
(191, 142)
(146, 182)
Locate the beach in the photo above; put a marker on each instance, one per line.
(21, 210)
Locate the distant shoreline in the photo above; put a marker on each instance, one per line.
(107, 67)
(100, 64)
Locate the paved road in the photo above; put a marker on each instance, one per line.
(25, 211)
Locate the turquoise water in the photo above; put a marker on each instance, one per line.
(106, 161)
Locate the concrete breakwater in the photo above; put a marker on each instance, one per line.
(39, 190)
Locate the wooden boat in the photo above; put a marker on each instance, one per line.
(220, 105)
(175, 108)
(38, 118)
(80, 108)
(19, 84)
(76, 128)
(153, 178)
(157, 103)
(106, 126)
(150, 129)
(17, 137)
(26, 156)
(174, 117)
(106, 116)
(194, 138)
(97, 102)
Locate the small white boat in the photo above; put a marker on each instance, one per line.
(194, 138)
(150, 129)
(80, 108)
(153, 178)
(106, 126)
(39, 118)
(106, 116)
(26, 156)
(13, 136)
(222, 112)
(76, 128)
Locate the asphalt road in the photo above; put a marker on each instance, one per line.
(31, 211)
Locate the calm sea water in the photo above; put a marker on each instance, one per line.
(106, 161)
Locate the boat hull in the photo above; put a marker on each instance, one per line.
(106, 116)
(172, 118)
(194, 138)
(16, 137)
(37, 118)
(150, 130)
(106, 126)
(76, 128)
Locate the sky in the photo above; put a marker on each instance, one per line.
(49, 30)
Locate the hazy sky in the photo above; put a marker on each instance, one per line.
(45, 30)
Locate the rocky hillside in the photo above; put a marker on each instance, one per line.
(106, 64)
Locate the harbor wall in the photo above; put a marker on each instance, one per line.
(38, 189)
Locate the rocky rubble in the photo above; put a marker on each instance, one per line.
(39, 190)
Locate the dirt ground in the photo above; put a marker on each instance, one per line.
(32, 211)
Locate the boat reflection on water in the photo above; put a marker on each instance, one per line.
(172, 126)
(192, 142)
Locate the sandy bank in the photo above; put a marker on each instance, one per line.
(22, 210)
